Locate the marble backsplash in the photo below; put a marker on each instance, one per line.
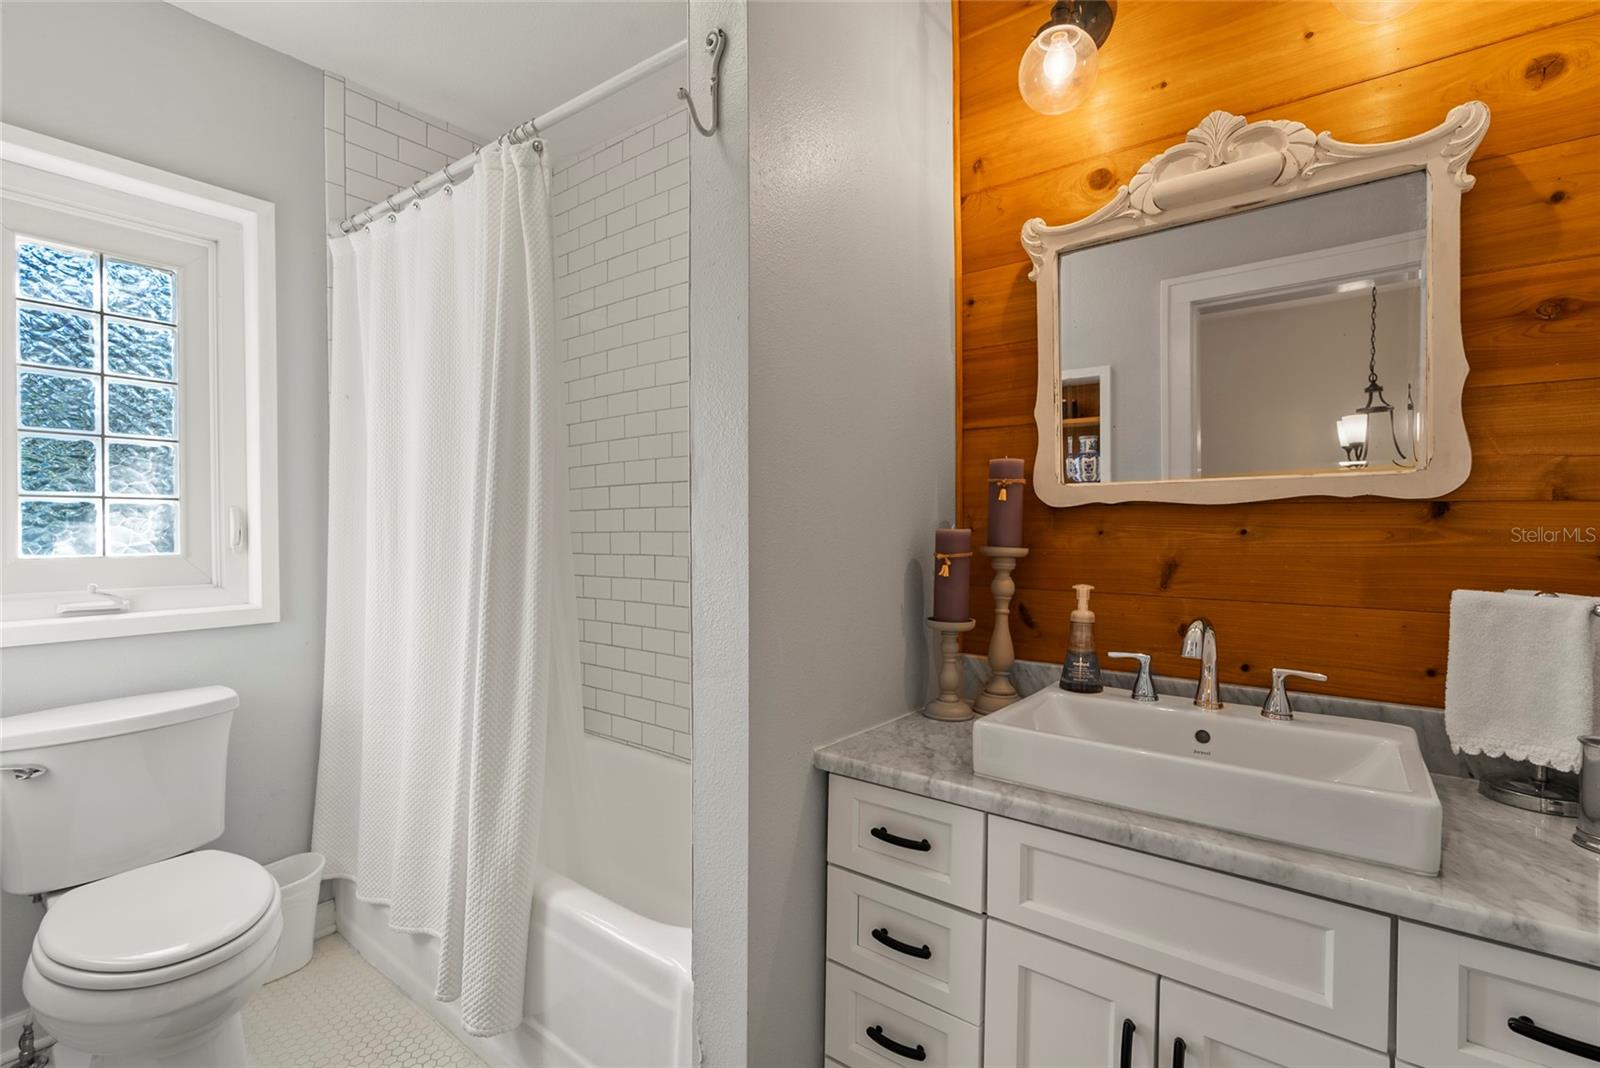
(1032, 675)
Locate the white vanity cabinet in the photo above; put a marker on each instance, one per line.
(1312, 961)
(1053, 1004)
(1200, 1030)
(1458, 998)
(956, 938)
(928, 846)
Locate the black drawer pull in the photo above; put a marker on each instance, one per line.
(1127, 1043)
(1178, 1047)
(876, 1034)
(882, 934)
(1524, 1026)
(883, 834)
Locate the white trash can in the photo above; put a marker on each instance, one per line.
(299, 878)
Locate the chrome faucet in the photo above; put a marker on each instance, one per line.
(1277, 703)
(1144, 687)
(1200, 643)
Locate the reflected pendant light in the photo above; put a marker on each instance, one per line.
(1059, 65)
(1355, 429)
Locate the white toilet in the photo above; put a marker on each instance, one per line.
(146, 952)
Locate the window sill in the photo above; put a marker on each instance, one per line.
(17, 632)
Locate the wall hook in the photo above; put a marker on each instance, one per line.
(716, 44)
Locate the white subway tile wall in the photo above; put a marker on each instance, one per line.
(621, 215)
(375, 146)
(622, 281)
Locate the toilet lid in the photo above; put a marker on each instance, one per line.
(157, 915)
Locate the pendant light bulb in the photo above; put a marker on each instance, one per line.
(1059, 65)
(1059, 59)
(1352, 430)
(1353, 440)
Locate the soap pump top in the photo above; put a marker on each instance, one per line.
(1081, 614)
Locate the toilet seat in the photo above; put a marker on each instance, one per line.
(156, 924)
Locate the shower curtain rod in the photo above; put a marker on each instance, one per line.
(451, 173)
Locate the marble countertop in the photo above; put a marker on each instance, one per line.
(1508, 875)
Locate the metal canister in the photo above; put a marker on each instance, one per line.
(1588, 833)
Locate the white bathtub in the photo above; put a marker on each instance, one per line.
(608, 980)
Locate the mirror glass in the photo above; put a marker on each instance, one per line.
(1287, 339)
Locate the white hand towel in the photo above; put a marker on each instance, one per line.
(1521, 681)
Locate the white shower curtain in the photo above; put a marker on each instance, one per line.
(451, 618)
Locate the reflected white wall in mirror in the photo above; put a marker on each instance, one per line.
(1265, 405)
(1237, 343)
(1261, 313)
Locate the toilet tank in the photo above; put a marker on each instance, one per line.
(125, 782)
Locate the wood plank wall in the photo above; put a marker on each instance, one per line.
(1359, 588)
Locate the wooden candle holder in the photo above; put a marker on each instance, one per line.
(998, 691)
(949, 706)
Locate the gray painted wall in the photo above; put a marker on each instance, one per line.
(150, 83)
(851, 460)
(719, 578)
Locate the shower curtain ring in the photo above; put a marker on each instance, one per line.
(417, 194)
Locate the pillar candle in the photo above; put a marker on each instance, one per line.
(1006, 486)
(952, 563)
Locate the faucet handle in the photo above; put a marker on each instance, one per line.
(1276, 706)
(1144, 688)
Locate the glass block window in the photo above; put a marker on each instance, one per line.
(97, 404)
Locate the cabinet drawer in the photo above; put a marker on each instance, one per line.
(931, 951)
(1456, 995)
(929, 846)
(867, 1022)
(1219, 1034)
(1313, 961)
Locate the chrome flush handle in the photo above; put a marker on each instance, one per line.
(1276, 705)
(24, 772)
(1144, 688)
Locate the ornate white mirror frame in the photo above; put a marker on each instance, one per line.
(1227, 165)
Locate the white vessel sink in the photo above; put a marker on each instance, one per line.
(1346, 786)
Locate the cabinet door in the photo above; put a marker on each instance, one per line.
(1050, 1004)
(1202, 1031)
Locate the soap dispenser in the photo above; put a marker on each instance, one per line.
(1081, 672)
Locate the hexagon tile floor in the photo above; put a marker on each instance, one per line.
(340, 1012)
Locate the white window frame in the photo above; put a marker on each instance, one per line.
(201, 388)
(221, 243)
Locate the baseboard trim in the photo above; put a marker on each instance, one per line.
(327, 918)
